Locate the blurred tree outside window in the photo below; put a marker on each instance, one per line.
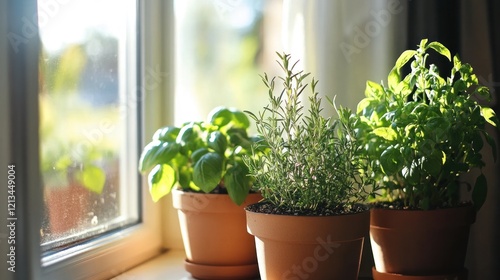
(222, 46)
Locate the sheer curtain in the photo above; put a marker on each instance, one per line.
(343, 43)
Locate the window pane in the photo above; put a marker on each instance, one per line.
(222, 47)
(88, 123)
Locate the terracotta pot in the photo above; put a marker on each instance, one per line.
(214, 233)
(308, 247)
(420, 243)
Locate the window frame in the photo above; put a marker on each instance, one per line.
(118, 251)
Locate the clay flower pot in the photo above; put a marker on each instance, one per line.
(308, 247)
(414, 244)
(214, 233)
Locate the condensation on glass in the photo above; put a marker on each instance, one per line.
(87, 115)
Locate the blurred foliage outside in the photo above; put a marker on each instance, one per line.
(80, 134)
(221, 48)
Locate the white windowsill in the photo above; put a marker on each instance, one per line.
(169, 265)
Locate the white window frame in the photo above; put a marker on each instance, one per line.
(114, 253)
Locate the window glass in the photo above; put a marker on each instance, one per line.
(222, 47)
(88, 119)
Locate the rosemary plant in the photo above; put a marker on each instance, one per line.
(307, 165)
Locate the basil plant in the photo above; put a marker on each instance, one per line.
(423, 130)
(203, 156)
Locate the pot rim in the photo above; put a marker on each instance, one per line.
(306, 229)
(209, 202)
(408, 219)
(366, 208)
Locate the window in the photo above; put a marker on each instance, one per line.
(88, 119)
(70, 107)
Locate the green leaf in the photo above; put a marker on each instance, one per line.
(207, 171)
(437, 127)
(196, 155)
(62, 163)
(404, 58)
(433, 163)
(456, 63)
(441, 49)
(166, 134)
(180, 160)
(161, 180)
(363, 104)
(403, 90)
(459, 86)
(149, 151)
(92, 178)
(187, 134)
(239, 137)
(489, 116)
(479, 192)
(240, 119)
(394, 78)
(391, 161)
(237, 183)
(385, 132)
(217, 141)
(220, 116)
(373, 89)
(411, 174)
(157, 152)
(423, 43)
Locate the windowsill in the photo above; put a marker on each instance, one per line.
(169, 265)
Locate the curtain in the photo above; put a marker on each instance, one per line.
(480, 38)
(344, 43)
